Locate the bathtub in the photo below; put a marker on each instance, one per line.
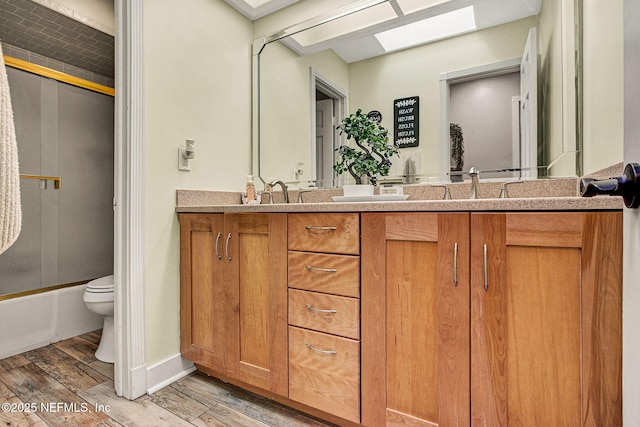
(37, 320)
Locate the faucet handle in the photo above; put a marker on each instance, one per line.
(300, 200)
(504, 193)
(268, 193)
(447, 193)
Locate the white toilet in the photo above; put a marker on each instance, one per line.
(98, 297)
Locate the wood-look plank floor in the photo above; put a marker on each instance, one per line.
(63, 384)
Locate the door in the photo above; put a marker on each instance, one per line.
(202, 320)
(529, 106)
(545, 319)
(256, 300)
(324, 142)
(415, 364)
(631, 290)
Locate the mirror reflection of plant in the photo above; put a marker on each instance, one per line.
(371, 157)
(457, 146)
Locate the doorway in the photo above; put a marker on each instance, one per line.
(522, 126)
(486, 109)
(476, 80)
(328, 108)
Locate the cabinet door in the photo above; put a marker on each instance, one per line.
(546, 319)
(256, 295)
(415, 319)
(203, 330)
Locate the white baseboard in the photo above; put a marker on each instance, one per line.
(167, 372)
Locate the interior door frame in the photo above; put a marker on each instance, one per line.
(130, 370)
(341, 100)
(460, 76)
(631, 221)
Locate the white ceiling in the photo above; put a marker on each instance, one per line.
(352, 37)
(255, 9)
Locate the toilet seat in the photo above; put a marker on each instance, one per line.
(101, 285)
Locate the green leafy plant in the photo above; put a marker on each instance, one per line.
(371, 155)
(457, 146)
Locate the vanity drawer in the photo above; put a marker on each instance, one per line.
(325, 313)
(337, 233)
(331, 274)
(324, 372)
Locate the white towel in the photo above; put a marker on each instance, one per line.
(10, 210)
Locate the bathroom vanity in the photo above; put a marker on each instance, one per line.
(418, 313)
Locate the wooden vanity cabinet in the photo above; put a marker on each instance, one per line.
(234, 296)
(491, 319)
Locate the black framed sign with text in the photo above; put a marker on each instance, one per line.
(405, 121)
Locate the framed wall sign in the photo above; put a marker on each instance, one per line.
(375, 115)
(405, 121)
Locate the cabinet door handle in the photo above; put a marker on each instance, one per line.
(326, 270)
(217, 240)
(486, 280)
(455, 264)
(319, 228)
(320, 310)
(319, 350)
(226, 247)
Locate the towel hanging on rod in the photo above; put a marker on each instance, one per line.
(10, 208)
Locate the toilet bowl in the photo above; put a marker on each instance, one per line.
(98, 296)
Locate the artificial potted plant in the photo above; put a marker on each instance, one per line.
(457, 151)
(370, 157)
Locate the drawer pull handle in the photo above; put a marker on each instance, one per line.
(319, 228)
(319, 350)
(226, 247)
(217, 240)
(326, 270)
(320, 310)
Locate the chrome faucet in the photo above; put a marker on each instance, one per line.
(285, 193)
(475, 183)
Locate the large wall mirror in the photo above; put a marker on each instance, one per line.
(312, 74)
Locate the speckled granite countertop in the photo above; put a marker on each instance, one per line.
(529, 204)
(538, 195)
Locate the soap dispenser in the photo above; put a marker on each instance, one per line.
(250, 194)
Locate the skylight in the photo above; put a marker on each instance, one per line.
(430, 29)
